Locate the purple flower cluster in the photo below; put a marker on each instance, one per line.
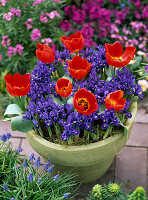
(5, 137)
(96, 18)
(47, 108)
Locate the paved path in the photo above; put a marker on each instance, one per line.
(130, 165)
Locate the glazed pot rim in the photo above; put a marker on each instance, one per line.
(111, 139)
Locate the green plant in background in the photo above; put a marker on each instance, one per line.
(138, 194)
(113, 191)
(22, 25)
(25, 179)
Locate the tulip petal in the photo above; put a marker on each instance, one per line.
(116, 95)
(40, 46)
(10, 89)
(108, 48)
(116, 50)
(92, 101)
(129, 51)
(18, 85)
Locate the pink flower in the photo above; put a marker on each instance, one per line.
(94, 12)
(89, 43)
(36, 2)
(114, 1)
(65, 25)
(114, 29)
(19, 49)
(1, 56)
(67, 10)
(137, 15)
(102, 32)
(53, 14)
(43, 18)
(3, 2)
(56, 1)
(53, 46)
(5, 41)
(46, 41)
(11, 50)
(35, 35)
(78, 16)
(29, 23)
(127, 32)
(12, 10)
(18, 12)
(145, 12)
(7, 16)
(87, 31)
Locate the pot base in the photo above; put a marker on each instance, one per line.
(85, 174)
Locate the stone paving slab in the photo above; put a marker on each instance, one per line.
(138, 136)
(141, 116)
(86, 187)
(16, 142)
(6, 127)
(131, 167)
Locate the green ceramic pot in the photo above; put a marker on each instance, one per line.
(90, 161)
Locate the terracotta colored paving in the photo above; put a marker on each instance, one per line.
(129, 167)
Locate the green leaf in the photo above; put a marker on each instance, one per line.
(60, 69)
(17, 124)
(125, 129)
(57, 101)
(109, 129)
(101, 109)
(13, 109)
(67, 77)
(70, 101)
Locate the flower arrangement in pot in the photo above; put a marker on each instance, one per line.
(80, 105)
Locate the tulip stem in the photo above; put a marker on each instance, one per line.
(114, 71)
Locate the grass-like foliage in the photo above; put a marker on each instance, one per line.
(29, 179)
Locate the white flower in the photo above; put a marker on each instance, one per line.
(144, 84)
(132, 62)
(141, 53)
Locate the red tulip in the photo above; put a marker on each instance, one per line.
(45, 53)
(18, 85)
(85, 102)
(63, 87)
(115, 100)
(78, 67)
(74, 42)
(115, 57)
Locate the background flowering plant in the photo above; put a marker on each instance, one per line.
(22, 25)
(103, 21)
(77, 98)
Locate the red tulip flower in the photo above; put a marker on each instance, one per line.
(115, 57)
(115, 100)
(45, 53)
(78, 67)
(18, 85)
(63, 87)
(74, 42)
(85, 102)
